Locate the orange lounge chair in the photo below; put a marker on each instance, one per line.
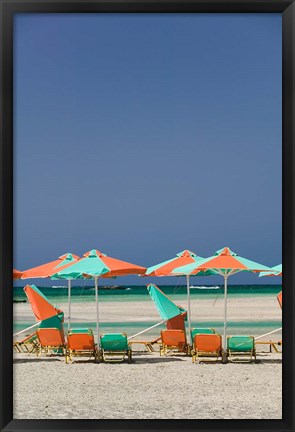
(50, 339)
(280, 300)
(81, 343)
(29, 344)
(147, 344)
(272, 345)
(201, 330)
(173, 340)
(51, 335)
(206, 345)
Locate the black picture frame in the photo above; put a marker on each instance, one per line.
(7, 9)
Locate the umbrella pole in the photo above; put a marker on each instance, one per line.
(146, 330)
(188, 307)
(225, 317)
(69, 304)
(26, 329)
(97, 313)
(266, 334)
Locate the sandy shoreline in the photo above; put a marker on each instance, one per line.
(152, 386)
(246, 308)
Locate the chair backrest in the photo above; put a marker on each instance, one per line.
(51, 337)
(81, 339)
(114, 342)
(201, 330)
(175, 338)
(208, 342)
(240, 343)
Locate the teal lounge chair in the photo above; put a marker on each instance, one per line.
(241, 348)
(114, 347)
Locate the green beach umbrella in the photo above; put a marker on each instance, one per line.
(166, 268)
(225, 263)
(166, 308)
(95, 264)
(275, 271)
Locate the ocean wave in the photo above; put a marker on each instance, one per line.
(205, 287)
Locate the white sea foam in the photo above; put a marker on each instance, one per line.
(205, 287)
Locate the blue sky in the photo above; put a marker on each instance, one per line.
(142, 135)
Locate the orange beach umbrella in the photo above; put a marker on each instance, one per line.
(95, 264)
(17, 274)
(280, 299)
(166, 268)
(115, 266)
(48, 269)
(41, 307)
(225, 263)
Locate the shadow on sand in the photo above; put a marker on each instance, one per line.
(37, 360)
(144, 358)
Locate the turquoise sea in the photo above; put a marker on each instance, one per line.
(81, 293)
(127, 293)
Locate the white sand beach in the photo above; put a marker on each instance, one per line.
(152, 386)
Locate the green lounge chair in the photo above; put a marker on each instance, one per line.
(241, 348)
(114, 347)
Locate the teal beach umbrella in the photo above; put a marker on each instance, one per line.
(275, 271)
(166, 308)
(48, 269)
(224, 263)
(95, 264)
(166, 268)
